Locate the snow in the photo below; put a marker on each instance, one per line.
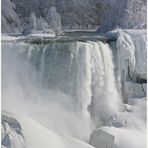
(37, 136)
(8, 38)
(41, 35)
(127, 138)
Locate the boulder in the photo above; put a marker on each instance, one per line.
(101, 139)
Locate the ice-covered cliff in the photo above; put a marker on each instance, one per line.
(131, 63)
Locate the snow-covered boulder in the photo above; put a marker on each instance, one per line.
(101, 139)
(12, 136)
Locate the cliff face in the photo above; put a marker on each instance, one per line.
(76, 15)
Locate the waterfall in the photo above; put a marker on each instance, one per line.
(67, 86)
(104, 88)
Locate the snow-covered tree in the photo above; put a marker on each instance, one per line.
(37, 25)
(54, 20)
(10, 20)
(126, 14)
(32, 21)
(32, 24)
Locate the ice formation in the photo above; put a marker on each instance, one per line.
(131, 63)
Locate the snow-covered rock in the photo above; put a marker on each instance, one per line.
(21, 132)
(12, 136)
(101, 139)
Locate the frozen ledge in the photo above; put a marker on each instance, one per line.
(46, 40)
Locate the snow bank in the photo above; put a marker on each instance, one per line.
(34, 135)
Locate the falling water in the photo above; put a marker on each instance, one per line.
(67, 86)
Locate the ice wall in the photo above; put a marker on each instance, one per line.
(131, 63)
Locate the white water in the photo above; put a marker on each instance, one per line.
(68, 87)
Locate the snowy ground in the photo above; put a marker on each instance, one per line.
(34, 135)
